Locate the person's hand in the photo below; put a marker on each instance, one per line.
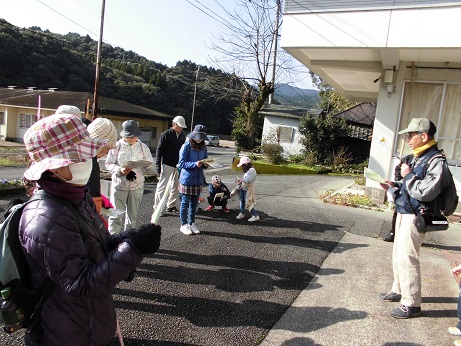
(405, 169)
(388, 184)
(147, 238)
(125, 171)
(199, 163)
(131, 176)
(116, 239)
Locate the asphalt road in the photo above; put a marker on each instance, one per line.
(230, 284)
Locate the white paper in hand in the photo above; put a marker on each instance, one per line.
(158, 211)
(370, 174)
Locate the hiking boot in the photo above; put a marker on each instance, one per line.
(224, 209)
(240, 216)
(406, 311)
(209, 208)
(253, 218)
(194, 229)
(390, 237)
(454, 331)
(186, 229)
(390, 297)
(172, 210)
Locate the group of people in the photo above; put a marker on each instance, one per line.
(69, 243)
(184, 159)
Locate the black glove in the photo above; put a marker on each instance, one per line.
(131, 176)
(116, 239)
(159, 170)
(146, 240)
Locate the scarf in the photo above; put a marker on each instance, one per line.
(418, 151)
(61, 189)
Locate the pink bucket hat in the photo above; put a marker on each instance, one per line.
(58, 141)
(243, 161)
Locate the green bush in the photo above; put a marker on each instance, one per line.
(273, 152)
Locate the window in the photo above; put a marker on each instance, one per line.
(27, 120)
(2, 118)
(153, 133)
(285, 134)
(438, 102)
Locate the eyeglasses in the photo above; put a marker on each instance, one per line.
(410, 135)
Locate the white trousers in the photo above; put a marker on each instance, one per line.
(128, 201)
(161, 185)
(405, 260)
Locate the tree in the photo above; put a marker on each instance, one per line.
(246, 50)
(321, 136)
(330, 100)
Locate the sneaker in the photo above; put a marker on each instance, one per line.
(390, 237)
(457, 343)
(194, 229)
(172, 210)
(240, 216)
(406, 311)
(454, 331)
(390, 297)
(253, 218)
(224, 209)
(186, 229)
(209, 208)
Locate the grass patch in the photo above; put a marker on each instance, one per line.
(10, 157)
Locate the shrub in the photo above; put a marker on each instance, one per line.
(273, 152)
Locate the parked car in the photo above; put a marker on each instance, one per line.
(212, 140)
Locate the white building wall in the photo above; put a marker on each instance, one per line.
(426, 27)
(270, 125)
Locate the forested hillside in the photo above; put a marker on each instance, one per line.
(35, 58)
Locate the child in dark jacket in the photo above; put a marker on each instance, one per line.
(217, 187)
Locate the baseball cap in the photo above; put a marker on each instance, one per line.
(421, 125)
(180, 121)
(243, 161)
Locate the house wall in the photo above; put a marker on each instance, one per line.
(11, 130)
(270, 125)
(388, 113)
(322, 5)
(374, 28)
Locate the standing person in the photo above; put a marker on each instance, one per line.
(167, 157)
(397, 177)
(103, 129)
(191, 177)
(421, 184)
(66, 243)
(127, 184)
(217, 186)
(246, 190)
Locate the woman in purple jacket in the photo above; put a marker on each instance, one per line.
(68, 243)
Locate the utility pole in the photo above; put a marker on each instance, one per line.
(193, 104)
(276, 35)
(98, 65)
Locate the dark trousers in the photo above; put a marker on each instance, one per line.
(217, 201)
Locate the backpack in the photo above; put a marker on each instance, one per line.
(447, 202)
(15, 273)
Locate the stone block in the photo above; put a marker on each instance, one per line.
(375, 194)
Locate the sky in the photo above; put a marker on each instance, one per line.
(164, 31)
